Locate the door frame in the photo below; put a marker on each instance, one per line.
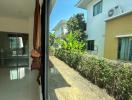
(44, 43)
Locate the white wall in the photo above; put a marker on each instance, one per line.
(13, 25)
(65, 29)
(61, 29)
(96, 24)
(18, 25)
(58, 32)
(30, 31)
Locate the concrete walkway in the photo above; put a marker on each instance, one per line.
(67, 84)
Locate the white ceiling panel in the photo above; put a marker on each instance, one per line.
(17, 8)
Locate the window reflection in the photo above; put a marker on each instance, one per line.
(17, 73)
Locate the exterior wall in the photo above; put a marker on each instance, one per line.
(115, 27)
(96, 24)
(18, 25)
(61, 29)
(58, 32)
(65, 29)
(52, 3)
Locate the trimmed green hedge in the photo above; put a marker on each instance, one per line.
(71, 58)
(115, 77)
(51, 50)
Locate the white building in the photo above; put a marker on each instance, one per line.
(98, 11)
(60, 28)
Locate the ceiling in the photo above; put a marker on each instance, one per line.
(17, 8)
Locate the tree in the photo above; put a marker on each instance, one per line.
(77, 24)
(51, 39)
(71, 43)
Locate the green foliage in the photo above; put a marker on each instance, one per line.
(114, 76)
(51, 39)
(70, 43)
(77, 24)
(51, 50)
(71, 58)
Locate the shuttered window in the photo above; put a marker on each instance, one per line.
(90, 45)
(125, 49)
(97, 8)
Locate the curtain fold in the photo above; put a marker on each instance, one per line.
(126, 49)
(37, 27)
(36, 52)
(130, 53)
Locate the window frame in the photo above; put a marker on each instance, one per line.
(96, 6)
(119, 49)
(92, 46)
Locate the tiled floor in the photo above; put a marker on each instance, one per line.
(18, 84)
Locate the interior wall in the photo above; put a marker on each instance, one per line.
(20, 26)
(30, 31)
(13, 25)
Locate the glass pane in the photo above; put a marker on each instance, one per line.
(94, 63)
(97, 8)
(17, 81)
(130, 49)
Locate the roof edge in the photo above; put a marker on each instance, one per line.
(83, 4)
(58, 24)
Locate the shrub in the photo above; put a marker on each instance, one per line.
(51, 50)
(114, 76)
(71, 58)
(71, 43)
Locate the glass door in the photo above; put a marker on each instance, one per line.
(14, 50)
(5, 52)
(19, 48)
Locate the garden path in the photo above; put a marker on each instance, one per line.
(67, 84)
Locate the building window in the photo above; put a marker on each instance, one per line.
(125, 49)
(13, 42)
(90, 45)
(97, 8)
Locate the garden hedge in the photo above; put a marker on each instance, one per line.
(114, 76)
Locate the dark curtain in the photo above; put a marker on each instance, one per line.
(36, 52)
(37, 27)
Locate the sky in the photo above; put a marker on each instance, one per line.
(64, 9)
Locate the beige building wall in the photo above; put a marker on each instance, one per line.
(18, 25)
(118, 26)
